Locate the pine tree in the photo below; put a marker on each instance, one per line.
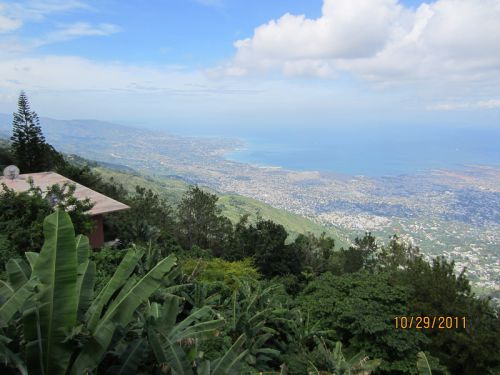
(31, 152)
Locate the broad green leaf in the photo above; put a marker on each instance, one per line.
(121, 309)
(198, 329)
(171, 353)
(314, 370)
(15, 302)
(32, 258)
(423, 364)
(6, 290)
(153, 310)
(56, 271)
(9, 357)
(130, 359)
(169, 311)
(121, 275)
(18, 273)
(82, 248)
(119, 313)
(268, 351)
(231, 359)
(357, 359)
(204, 368)
(85, 286)
(179, 330)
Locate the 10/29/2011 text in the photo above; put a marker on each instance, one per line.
(430, 322)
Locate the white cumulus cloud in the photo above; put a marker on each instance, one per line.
(381, 40)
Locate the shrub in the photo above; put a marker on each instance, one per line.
(219, 270)
(22, 214)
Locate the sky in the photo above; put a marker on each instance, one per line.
(236, 63)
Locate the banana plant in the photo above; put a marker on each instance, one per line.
(338, 364)
(423, 366)
(65, 329)
(175, 343)
(250, 310)
(228, 364)
(300, 330)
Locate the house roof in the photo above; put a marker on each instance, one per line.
(102, 203)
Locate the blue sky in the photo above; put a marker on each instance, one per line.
(237, 63)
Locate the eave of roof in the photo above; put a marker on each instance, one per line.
(102, 203)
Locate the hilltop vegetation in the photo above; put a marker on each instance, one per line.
(187, 290)
(233, 206)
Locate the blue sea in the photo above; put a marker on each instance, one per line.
(369, 151)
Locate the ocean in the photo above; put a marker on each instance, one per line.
(368, 151)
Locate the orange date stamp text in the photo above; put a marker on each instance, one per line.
(430, 322)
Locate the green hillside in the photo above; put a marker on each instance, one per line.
(233, 206)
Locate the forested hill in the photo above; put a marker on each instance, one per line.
(232, 206)
(181, 288)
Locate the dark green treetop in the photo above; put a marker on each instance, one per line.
(29, 148)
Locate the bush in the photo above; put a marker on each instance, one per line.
(107, 260)
(219, 270)
(360, 309)
(22, 214)
(7, 252)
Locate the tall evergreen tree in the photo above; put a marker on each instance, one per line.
(30, 150)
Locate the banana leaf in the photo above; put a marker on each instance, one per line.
(423, 365)
(32, 257)
(85, 286)
(121, 309)
(228, 364)
(18, 273)
(9, 357)
(119, 313)
(130, 359)
(169, 353)
(14, 304)
(6, 291)
(122, 273)
(57, 299)
(82, 248)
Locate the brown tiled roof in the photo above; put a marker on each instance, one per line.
(102, 203)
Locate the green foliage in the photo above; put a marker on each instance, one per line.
(335, 363)
(29, 149)
(251, 311)
(106, 260)
(49, 312)
(316, 251)
(266, 243)
(215, 270)
(22, 214)
(360, 256)
(149, 219)
(66, 330)
(424, 368)
(398, 254)
(227, 320)
(53, 310)
(6, 157)
(360, 309)
(436, 290)
(7, 251)
(200, 223)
